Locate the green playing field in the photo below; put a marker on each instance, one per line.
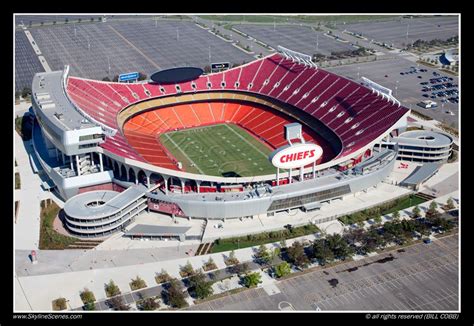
(220, 150)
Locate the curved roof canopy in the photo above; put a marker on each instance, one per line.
(176, 75)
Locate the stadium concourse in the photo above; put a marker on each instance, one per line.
(132, 141)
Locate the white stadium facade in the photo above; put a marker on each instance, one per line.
(109, 168)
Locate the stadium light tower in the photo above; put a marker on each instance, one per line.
(317, 42)
(108, 60)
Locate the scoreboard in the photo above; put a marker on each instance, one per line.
(220, 66)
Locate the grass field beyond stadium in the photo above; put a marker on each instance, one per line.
(219, 150)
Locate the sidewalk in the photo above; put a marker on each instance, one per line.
(30, 195)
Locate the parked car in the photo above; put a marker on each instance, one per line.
(427, 241)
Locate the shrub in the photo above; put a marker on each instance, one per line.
(148, 304)
(87, 296)
(59, 304)
(231, 260)
(187, 270)
(111, 289)
(137, 284)
(282, 269)
(210, 265)
(450, 203)
(252, 279)
(116, 303)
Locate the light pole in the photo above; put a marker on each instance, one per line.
(408, 26)
(317, 42)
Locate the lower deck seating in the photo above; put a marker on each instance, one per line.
(143, 130)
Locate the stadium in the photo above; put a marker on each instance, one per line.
(196, 145)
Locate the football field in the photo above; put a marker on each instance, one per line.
(219, 150)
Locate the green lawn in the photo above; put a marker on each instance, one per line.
(262, 238)
(412, 200)
(49, 238)
(220, 150)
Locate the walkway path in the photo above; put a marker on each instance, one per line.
(30, 195)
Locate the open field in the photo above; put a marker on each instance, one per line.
(221, 150)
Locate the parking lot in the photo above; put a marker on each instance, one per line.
(422, 277)
(26, 62)
(298, 38)
(395, 31)
(130, 45)
(407, 88)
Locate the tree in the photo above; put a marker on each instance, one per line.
(396, 215)
(207, 69)
(416, 212)
(137, 283)
(111, 289)
(107, 79)
(297, 255)
(87, 296)
(162, 277)
(239, 269)
(263, 255)
(210, 264)
(252, 279)
(378, 219)
(275, 253)
(201, 288)
(231, 260)
(339, 246)
(282, 269)
(149, 304)
(89, 306)
(175, 294)
(142, 76)
(432, 210)
(283, 244)
(187, 270)
(450, 203)
(115, 79)
(116, 303)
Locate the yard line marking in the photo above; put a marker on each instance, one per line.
(179, 148)
(245, 140)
